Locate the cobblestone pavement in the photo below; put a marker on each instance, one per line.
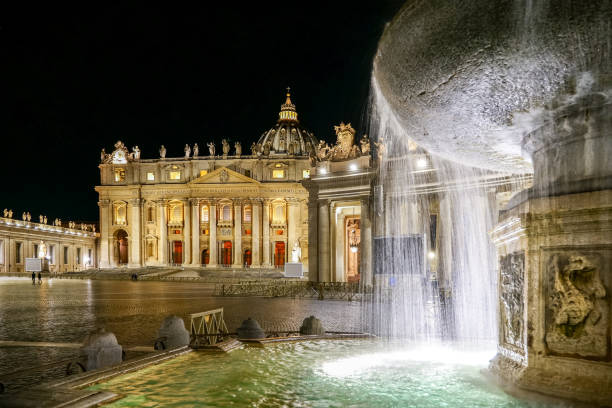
(67, 310)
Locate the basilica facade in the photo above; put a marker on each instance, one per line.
(221, 208)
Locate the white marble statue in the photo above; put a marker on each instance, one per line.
(103, 155)
(162, 152)
(40, 219)
(226, 147)
(238, 148)
(24, 216)
(42, 250)
(136, 152)
(5, 213)
(196, 150)
(211, 148)
(187, 151)
(296, 252)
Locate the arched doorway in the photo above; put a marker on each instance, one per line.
(205, 257)
(226, 253)
(247, 258)
(177, 252)
(121, 247)
(279, 254)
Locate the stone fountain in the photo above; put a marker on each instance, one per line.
(519, 86)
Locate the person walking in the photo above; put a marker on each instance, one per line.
(33, 278)
(39, 278)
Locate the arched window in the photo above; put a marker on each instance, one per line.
(248, 211)
(226, 213)
(120, 213)
(204, 213)
(279, 214)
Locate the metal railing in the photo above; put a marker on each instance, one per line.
(207, 328)
(278, 288)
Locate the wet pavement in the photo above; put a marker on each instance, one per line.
(67, 310)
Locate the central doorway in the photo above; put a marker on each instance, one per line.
(205, 257)
(121, 247)
(226, 253)
(279, 254)
(177, 252)
(247, 258)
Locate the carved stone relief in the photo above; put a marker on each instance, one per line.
(512, 276)
(577, 309)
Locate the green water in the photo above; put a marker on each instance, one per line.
(317, 374)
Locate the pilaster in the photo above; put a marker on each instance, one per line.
(212, 237)
(238, 260)
(256, 243)
(195, 232)
(266, 233)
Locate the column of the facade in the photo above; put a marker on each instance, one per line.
(324, 243)
(256, 237)
(212, 235)
(266, 233)
(365, 224)
(195, 232)
(238, 259)
(162, 248)
(293, 223)
(135, 258)
(313, 238)
(105, 239)
(187, 232)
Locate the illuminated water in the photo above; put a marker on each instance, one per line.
(318, 374)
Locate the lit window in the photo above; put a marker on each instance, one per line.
(150, 176)
(305, 173)
(175, 175)
(278, 165)
(120, 174)
(120, 210)
(203, 172)
(278, 174)
(205, 213)
(247, 213)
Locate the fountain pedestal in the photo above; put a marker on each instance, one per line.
(554, 246)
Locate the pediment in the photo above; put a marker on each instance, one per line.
(224, 175)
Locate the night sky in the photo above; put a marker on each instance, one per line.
(79, 78)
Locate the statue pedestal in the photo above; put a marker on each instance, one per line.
(555, 286)
(294, 270)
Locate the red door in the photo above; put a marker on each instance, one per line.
(205, 257)
(177, 252)
(248, 258)
(226, 253)
(279, 253)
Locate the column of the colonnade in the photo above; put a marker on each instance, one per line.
(195, 232)
(256, 243)
(212, 234)
(266, 233)
(187, 232)
(365, 224)
(324, 244)
(162, 248)
(104, 231)
(135, 258)
(238, 261)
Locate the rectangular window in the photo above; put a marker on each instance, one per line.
(65, 255)
(119, 174)
(203, 172)
(175, 175)
(305, 173)
(247, 213)
(204, 232)
(18, 252)
(78, 260)
(278, 174)
(150, 176)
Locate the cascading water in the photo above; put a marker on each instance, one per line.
(434, 264)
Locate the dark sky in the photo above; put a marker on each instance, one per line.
(79, 78)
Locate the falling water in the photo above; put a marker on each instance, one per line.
(434, 264)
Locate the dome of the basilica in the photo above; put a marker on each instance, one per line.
(288, 136)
